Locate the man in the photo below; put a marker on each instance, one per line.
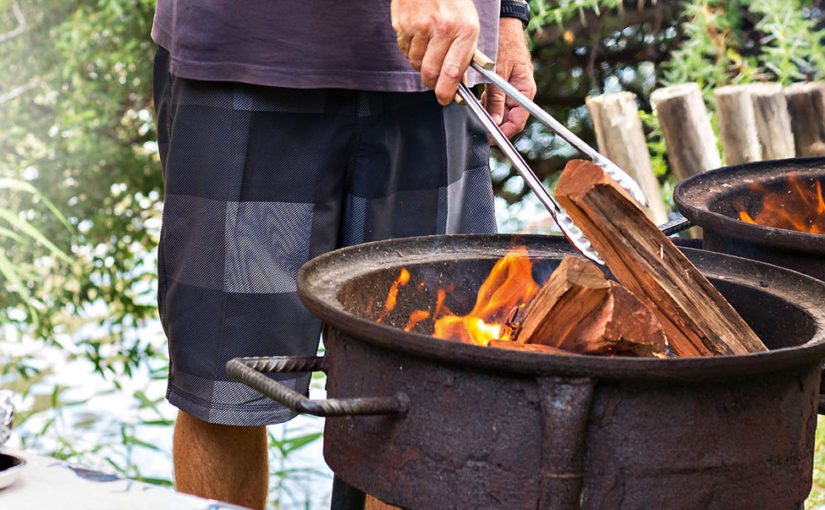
(287, 129)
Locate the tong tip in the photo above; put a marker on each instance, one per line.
(625, 181)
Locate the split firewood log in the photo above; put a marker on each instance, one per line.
(697, 319)
(579, 310)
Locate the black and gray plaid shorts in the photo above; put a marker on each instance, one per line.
(258, 180)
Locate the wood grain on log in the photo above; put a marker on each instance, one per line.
(773, 123)
(579, 310)
(573, 291)
(806, 107)
(691, 145)
(697, 320)
(737, 127)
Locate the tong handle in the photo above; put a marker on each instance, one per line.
(485, 65)
(565, 223)
(483, 60)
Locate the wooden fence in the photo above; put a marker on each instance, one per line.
(758, 121)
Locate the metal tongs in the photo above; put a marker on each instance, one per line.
(485, 66)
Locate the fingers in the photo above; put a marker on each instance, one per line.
(514, 121)
(432, 62)
(419, 45)
(438, 37)
(404, 45)
(514, 65)
(455, 64)
(516, 118)
(510, 117)
(493, 101)
(507, 113)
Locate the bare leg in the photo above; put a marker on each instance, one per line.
(221, 462)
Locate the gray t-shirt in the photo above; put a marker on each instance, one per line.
(305, 44)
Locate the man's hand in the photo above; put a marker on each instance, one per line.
(438, 37)
(514, 65)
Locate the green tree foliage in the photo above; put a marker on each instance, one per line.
(582, 48)
(590, 47)
(762, 40)
(21, 232)
(76, 124)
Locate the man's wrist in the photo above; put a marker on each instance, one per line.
(516, 9)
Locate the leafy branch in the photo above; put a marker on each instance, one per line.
(20, 230)
(21, 24)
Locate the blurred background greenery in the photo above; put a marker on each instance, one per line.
(81, 190)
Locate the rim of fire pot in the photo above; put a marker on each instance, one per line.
(320, 280)
(695, 195)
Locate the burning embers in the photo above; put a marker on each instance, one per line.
(577, 310)
(508, 287)
(799, 206)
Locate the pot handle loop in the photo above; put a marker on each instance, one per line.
(251, 370)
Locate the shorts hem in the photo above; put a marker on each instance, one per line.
(228, 414)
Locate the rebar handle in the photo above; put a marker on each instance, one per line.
(250, 371)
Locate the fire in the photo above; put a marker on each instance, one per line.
(416, 317)
(509, 286)
(392, 297)
(800, 206)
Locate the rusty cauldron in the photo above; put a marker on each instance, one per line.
(421, 422)
(712, 199)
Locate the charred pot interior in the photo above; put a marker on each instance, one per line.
(725, 201)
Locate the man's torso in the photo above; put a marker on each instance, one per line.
(307, 44)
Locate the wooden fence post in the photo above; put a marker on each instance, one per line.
(737, 126)
(773, 123)
(806, 107)
(620, 137)
(691, 145)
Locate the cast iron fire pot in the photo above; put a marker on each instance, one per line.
(711, 200)
(421, 422)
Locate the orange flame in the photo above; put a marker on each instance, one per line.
(800, 206)
(416, 317)
(744, 216)
(509, 285)
(392, 296)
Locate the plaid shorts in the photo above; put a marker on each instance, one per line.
(258, 180)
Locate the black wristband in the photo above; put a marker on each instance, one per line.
(515, 9)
